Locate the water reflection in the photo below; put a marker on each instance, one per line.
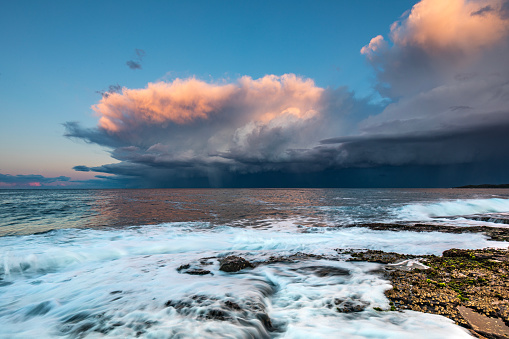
(30, 211)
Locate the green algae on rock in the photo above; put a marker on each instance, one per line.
(476, 279)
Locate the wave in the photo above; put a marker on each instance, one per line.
(125, 282)
(428, 211)
(39, 254)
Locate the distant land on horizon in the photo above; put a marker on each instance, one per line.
(485, 186)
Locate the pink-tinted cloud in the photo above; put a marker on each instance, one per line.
(376, 45)
(186, 101)
(437, 42)
(452, 25)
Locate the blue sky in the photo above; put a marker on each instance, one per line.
(56, 56)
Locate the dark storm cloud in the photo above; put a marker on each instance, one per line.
(136, 62)
(477, 144)
(74, 130)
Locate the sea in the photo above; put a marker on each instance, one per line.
(119, 263)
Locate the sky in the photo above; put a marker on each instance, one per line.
(154, 94)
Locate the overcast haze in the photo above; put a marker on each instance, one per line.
(241, 94)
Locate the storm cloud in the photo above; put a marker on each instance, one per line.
(442, 70)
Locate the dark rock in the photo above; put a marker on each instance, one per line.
(233, 263)
(493, 233)
(378, 256)
(197, 271)
(183, 267)
(216, 314)
(231, 305)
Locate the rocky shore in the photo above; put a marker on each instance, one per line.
(470, 287)
(493, 233)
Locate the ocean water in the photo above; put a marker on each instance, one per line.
(104, 263)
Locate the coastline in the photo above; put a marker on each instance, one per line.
(471, 287)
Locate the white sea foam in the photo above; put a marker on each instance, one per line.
(428, 211)
(123, 282)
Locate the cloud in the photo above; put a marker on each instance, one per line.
(462, 25)
(443, 72)
(483, 10)
(436, 41)
(111, 89)
(191, 128)
(135, 63)
(32, 180)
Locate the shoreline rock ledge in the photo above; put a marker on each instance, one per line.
(470, 287)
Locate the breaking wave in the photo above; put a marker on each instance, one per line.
(428, 211)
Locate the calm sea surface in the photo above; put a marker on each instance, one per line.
(103, 263)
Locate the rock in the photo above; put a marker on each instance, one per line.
(233, 263)
(378, 256)
(457, 253)
(183, 267)
(232, 305)
(193, 271)
(490, 327)
(197, 271)
(349, 307)
(216, 314)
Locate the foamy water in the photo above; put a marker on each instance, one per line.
(98, 281)
(118, 283)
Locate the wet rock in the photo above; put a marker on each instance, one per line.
(183, 267)
(216, 314)
(233, 263)
(378, 256)
(493, 233)
(193, 271)
(349, 306)
(232, 305)
(477, 279)
(197, 271)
